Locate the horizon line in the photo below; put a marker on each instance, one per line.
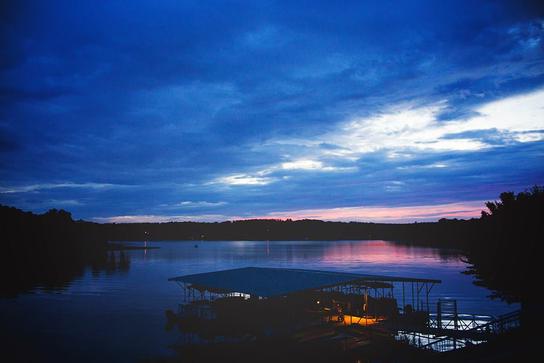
(358, 214)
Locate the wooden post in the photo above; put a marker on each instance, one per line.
(413, 302)
(439, 314)
(427, 291)
(403, 299)
(417, 292)
(455, 317)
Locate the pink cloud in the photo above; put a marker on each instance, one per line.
(361, 214)
(388, 214)
(151, 218)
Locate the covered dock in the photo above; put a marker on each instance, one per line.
(311, 304)
(253, 301)
(261, 282)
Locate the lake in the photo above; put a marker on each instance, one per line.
(120, 316)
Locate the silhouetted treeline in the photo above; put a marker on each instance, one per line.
(503, 245)
(507, 252)
(449, 232)
(57, 226)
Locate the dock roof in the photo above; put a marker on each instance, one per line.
(268, 282)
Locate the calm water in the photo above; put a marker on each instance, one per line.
(120, 316)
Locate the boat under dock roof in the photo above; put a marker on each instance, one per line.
(269, 282)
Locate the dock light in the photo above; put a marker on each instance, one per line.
(317, 301)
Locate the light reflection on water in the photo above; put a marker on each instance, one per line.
(433, 342)
(120, 316)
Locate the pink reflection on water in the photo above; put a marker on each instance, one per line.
(386, 253)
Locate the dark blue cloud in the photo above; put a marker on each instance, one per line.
(115, 108)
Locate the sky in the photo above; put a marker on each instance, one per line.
(384, 111)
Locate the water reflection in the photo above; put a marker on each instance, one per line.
(390, 253)
(114, 305)
(55, 270)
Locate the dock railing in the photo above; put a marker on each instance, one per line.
(496, 326)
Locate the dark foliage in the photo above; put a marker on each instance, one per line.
(448, 232)
(49, 250)
(506, 255)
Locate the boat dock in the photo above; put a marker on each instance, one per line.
(287, 301)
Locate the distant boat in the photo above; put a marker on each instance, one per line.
(196, 246)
